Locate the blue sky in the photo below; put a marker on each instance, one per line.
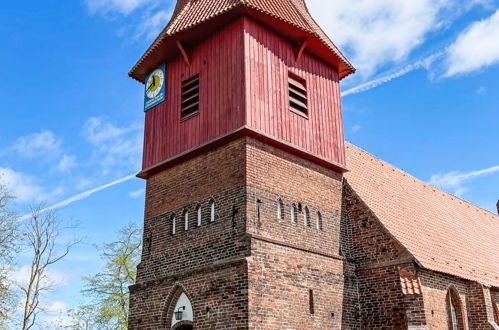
(425, 98)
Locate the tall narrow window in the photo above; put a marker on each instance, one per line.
(297, 88)
(212, 211)
(306, 217)
(174, 225)
(190, 96)
(319, 221)
(186, 220)
(311, 301)
(454, 312)
(280, 209)
(198, 212)
(293, 213)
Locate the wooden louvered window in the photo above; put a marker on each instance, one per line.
(190, 96)
(297, 88)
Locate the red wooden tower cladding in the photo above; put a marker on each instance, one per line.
(247, 54)
(243, 162)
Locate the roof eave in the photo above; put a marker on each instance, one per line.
(164, 41)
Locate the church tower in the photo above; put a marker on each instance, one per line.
(244, 158)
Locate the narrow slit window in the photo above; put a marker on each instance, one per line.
(319, 221)
(212, 211)
(306, 217)
(190, 96)
(198, 211)
(174, 225)
(186, 220)
(280, 210)
(311, 301)
(298, 98)
(293, 213)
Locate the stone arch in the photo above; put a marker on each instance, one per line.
(454, 309)
(169, 305)
(183, 325)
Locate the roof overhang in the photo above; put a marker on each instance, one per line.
(165, 48)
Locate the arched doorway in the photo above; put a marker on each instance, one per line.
(179, 313)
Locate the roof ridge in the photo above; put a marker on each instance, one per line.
(347, 143)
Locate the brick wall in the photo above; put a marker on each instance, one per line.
(280, 282)
(255, 268)
(288, 259)
(435, 289)
(378, 259)
(218, 295)
(274, 174)
(284, 260)
(480, 308)
(207, 261)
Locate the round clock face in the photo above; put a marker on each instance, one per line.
(155, 83)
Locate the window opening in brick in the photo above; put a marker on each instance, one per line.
(186, 220)
(190, 96)
(280, 209)
(311, 301)
(293, 213)
(174, 225)
(297, 88)
(454, 312)
(319, 221)
(212, 211)
(198, 212)
(306, 217)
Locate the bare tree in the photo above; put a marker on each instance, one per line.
(43, 235)
(8, 248)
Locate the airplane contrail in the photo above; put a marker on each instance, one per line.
(80, 196)
(384, 79)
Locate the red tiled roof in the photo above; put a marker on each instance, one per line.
(444, 233)
(190, 13)
(411, 284)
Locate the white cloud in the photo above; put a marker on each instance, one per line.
(482, 90)
(97, 130)
(52, 278)
(22, 186)
(25, 188)
(379, 32)
(455, 180)
(137, 193)
(66, 163)
(153, 24)
(476, 48)
(123, 7)
(389, 77)
(40, 144)
(356, 128)
(116, 148)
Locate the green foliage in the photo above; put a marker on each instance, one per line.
(108, 289)
(8, 248)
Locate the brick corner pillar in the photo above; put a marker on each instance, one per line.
(480, 309)
(415, 312)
